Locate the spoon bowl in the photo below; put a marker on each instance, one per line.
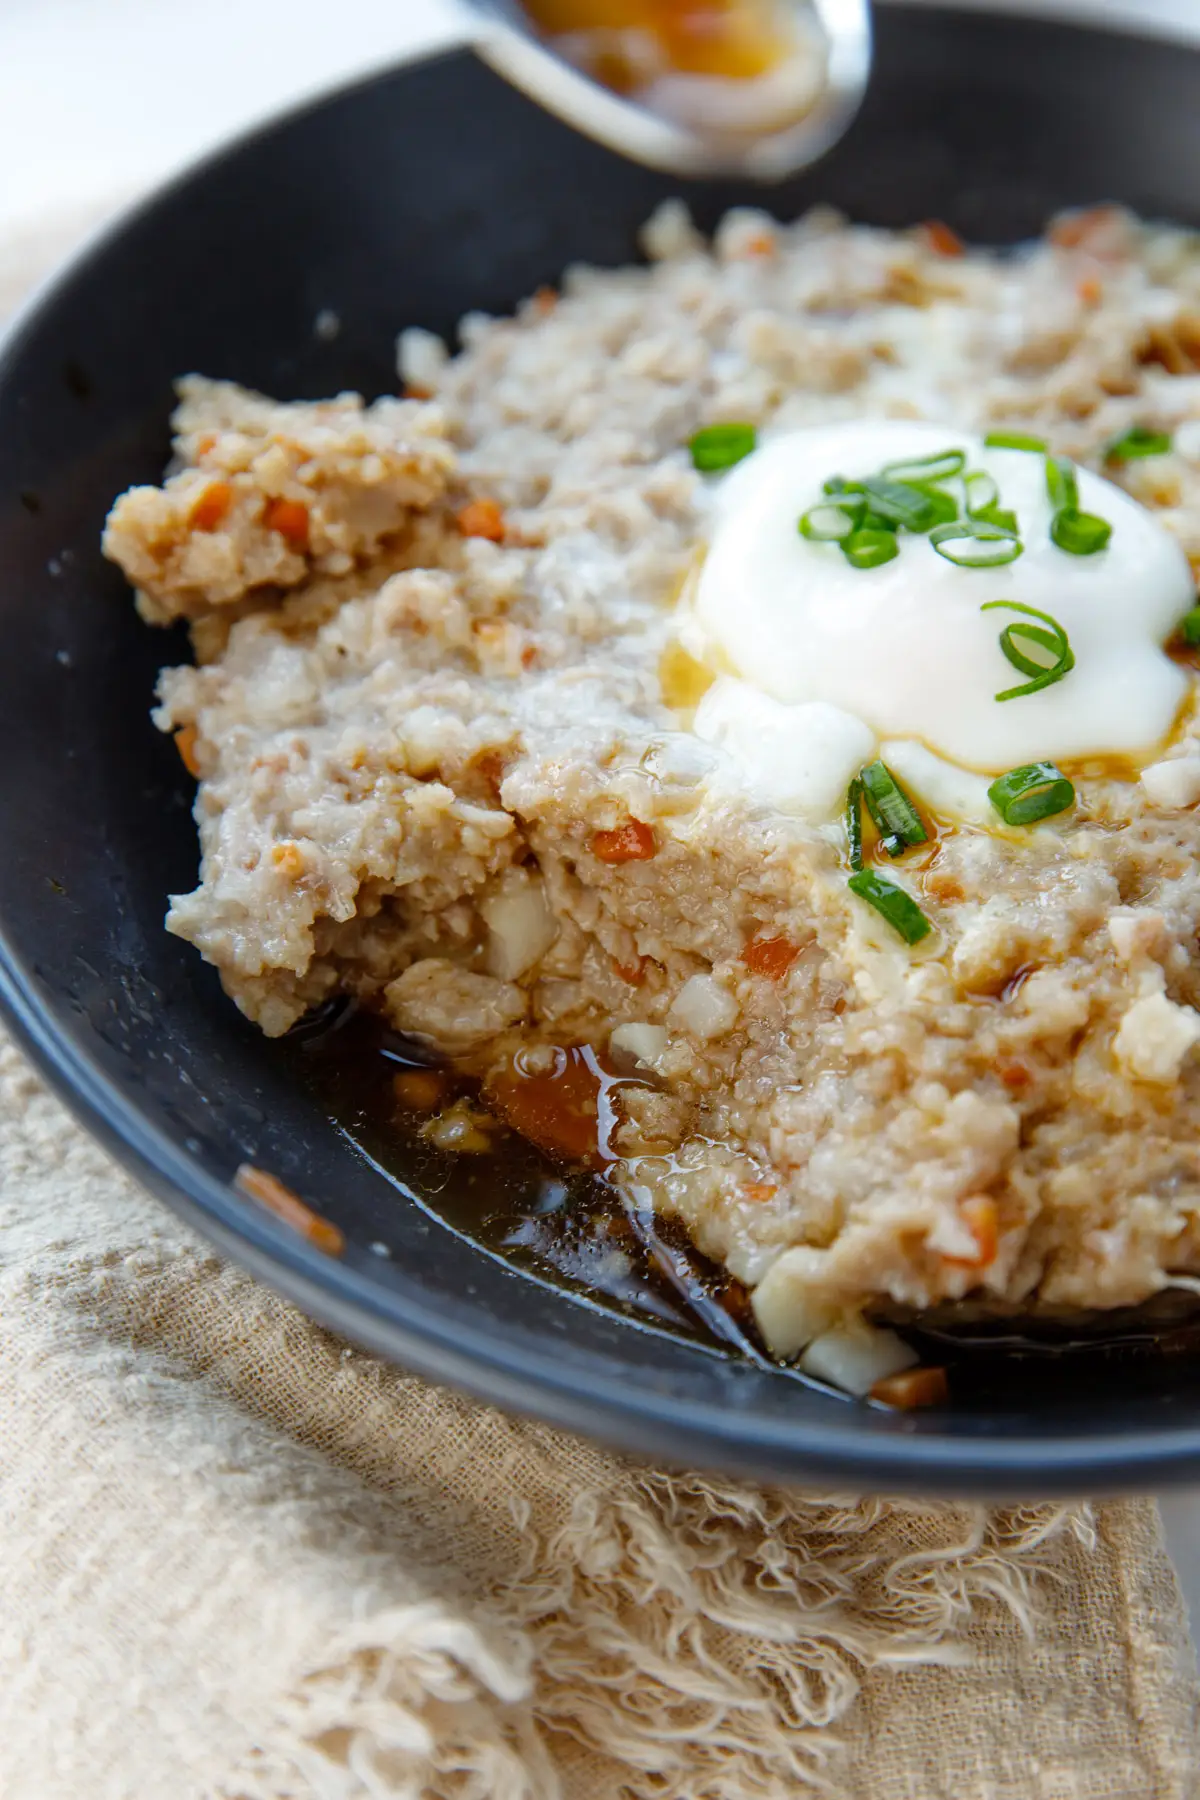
(840, 31)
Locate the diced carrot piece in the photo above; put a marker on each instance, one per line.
(545, 300)
(290, 519)
(941, 239)
(185, 743)
(529, 656)
(557, 1108)
(269, 1191)
(482, 518)
(288, 858)
(761, 244)
(211, 506)
(206, 443)
(414, 391)
(770, 956)
(758, 1190)
(913, 1387)
(420, 1090)
(978, 1213)
(1014, 1075)
(1090, 291)
(633, 842)
(635, 972)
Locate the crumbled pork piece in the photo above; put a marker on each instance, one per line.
(455, 1009)
(266, 495)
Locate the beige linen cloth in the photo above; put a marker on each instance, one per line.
(241, 1561)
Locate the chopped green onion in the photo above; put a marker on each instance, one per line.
(1035, 791)
(866, 549)
(1080, 533)
(1061, 484)
(890, 503)
(896, 818)
(892, 903)
(873, 521)
(1000, 516)
(829, 521)
(979, 545)
(898, 502)
(1054, 640)
(1136, 442)
(720, 446)
(981, 491)
(1189, 628)
(1014, 440)
(920, 471)
(1032, 634)
(854, 823)
(945, 507)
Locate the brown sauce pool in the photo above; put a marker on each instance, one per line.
(546, 1208)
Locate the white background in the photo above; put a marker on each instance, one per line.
(99, 98)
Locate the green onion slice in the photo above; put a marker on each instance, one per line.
(830, 521)
(896, 818)
(1053, 639)
(854, 823)
(899, 503)
(1081, 533)
(720, 446)
(1061, 484)
(920, 471)
(892, 903)
(890, 504)
(981, 490)
(867, 549)
(1189, 628)
(1136, 442)
(945, 506)
(1034, 791)
(1014, 440)
(1001, 516)
(976, 544)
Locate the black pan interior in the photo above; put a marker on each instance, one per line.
(410, 199)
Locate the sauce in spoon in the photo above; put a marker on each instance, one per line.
(720, 66)
(735, 87)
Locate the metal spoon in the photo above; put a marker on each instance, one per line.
(842, 29)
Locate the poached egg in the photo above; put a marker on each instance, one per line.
(822, 661)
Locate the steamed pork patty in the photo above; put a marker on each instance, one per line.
(611, 689)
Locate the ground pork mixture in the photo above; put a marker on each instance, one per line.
(443, 764)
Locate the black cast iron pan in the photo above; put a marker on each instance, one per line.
(408, 200)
